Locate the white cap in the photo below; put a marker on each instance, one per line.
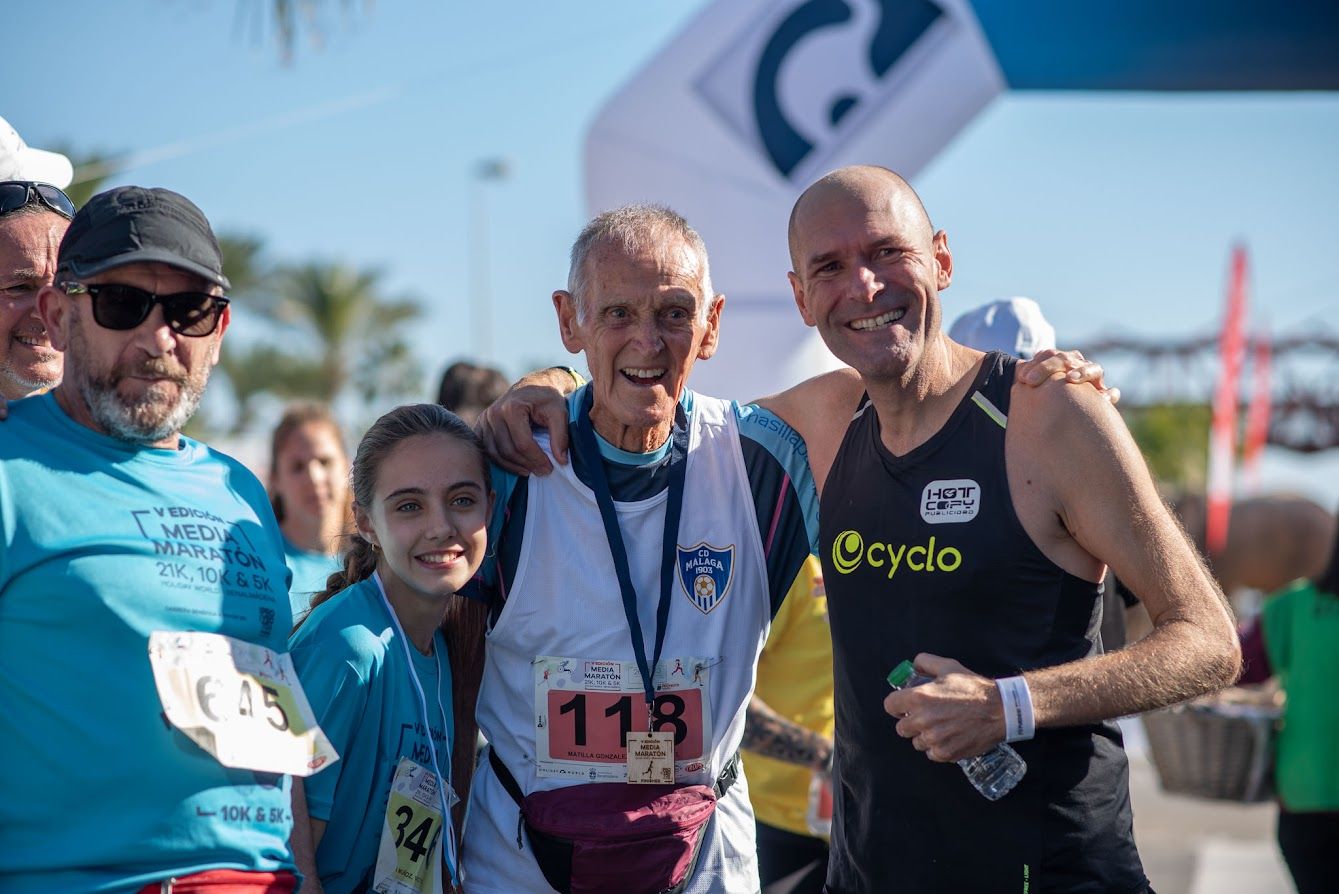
(1013, 325)
(19, 161)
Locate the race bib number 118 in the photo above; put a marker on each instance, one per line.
(585, 709)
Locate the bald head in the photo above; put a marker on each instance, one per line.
(870, 186)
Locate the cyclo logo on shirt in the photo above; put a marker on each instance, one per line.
(849, 552)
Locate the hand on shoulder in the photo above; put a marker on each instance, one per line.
(1065, 366)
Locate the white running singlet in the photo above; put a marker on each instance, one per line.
(555, 655)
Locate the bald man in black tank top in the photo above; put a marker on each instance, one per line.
(968, 521)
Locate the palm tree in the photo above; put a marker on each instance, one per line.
(244, 263)
(293, 17)
(261, 369)
(91, 170)
(357, 328)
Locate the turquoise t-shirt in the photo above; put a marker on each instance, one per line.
(310, 571)
(354, 671)
(101, 543)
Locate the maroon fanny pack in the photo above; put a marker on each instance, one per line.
(612, 836)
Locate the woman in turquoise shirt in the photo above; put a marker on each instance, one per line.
(390, 658)
(309, 490)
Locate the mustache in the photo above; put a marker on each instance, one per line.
(158, 368)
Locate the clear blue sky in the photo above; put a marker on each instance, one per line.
(1115, 212)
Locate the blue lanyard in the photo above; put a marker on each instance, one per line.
(589, 453)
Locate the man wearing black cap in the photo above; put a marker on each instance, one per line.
(143, 590)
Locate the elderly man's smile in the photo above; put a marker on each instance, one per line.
(644, 375)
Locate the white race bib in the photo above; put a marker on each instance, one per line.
(585, 709)
(239, 701)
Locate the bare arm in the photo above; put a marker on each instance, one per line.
(304, 840)
(771, 735)
(819, 409)
(1075, 456)
(1107, 503)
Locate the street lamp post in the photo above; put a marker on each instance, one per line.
(490, 170)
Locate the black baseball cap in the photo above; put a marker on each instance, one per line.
(133, 224)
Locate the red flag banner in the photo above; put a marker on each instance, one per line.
(1257, 414)
(1223, 433)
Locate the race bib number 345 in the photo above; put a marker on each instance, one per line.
(239, 701)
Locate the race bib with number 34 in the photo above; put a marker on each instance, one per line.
(407, 857)
(239, 701)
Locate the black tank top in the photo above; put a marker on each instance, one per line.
(924, 553)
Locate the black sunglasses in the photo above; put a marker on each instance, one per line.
(16, 194)
(124, 307)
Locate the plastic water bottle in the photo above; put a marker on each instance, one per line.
(993, 774)
(818, 816)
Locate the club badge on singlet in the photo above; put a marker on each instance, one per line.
(239, 701)
(408, 860)
(585, 708)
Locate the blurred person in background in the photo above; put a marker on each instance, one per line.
(1012, 325)
(467, 389)
(1296, 638)
(309, 490)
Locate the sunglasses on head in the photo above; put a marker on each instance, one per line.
(124, 307)
(16, 194)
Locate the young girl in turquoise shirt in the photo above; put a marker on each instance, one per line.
(390, 658)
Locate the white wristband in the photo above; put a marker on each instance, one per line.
(1018, 721)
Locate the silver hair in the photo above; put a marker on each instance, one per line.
(635, 228)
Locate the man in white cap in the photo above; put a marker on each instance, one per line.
(33, 216)
(1011, 325)
(19, 161)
